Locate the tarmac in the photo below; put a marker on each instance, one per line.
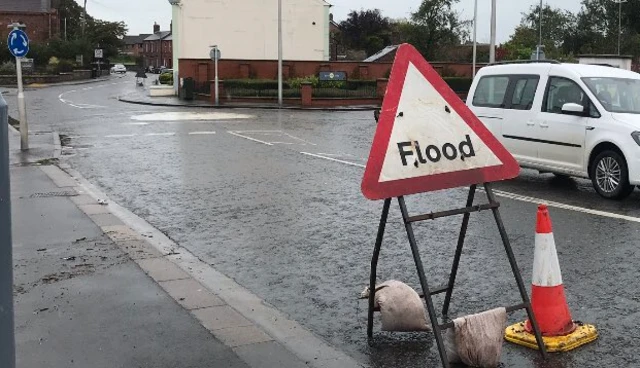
(91, 291)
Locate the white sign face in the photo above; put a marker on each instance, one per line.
(429, 137)
(99, 53)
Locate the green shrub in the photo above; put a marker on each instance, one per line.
(7, 68)
(166, 78)
(253, 84)
(459, 84)
(297, 82)
(65, 66)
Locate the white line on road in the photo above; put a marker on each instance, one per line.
(201, 133)
(160, 134)
(564, 206)
(333, 159)
(120, 136)
(249, 138)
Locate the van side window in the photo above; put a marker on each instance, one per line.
(491, 91)
(524, 92)
(561, 91)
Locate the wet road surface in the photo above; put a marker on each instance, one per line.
(273, 200)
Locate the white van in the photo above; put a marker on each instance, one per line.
(567, 119)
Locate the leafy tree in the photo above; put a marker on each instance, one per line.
(436, 25)
(558, 33)
(366, 30)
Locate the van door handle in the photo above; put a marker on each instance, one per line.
(531, 123)
(591, 128)
(544, 125)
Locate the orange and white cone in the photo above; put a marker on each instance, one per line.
(548, 301)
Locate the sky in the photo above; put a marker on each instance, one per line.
(139, 15)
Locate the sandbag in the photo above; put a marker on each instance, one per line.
(477, 339)
(400, 307)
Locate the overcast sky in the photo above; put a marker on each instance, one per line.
(140, 14)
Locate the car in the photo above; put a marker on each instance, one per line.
(567, 119)
(119, 68)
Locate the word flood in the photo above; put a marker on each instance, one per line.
(434, 153)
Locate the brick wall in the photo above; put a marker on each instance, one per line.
(40, 26)
(203, 69)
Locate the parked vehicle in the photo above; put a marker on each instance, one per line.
(119, 68)
(566, 119)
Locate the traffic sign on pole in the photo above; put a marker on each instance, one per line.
(18, 43)
(427, 139)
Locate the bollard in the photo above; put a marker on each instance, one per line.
(7, 340)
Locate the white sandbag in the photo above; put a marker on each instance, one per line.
(400, 307)
(477, 339)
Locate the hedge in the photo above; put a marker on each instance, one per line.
(459, 84)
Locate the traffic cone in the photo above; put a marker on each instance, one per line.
(548, 301)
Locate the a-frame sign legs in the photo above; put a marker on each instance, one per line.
(427, 292)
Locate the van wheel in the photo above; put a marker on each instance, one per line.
(610, 175)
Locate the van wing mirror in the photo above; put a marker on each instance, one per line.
(573, 109)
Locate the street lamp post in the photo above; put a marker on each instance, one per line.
(475, 34)
(540, 39)
(619, 2)
(492, 47)
(280, 99)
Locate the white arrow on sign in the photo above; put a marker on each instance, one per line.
(14, 36)
(18, 51)
(24, 41)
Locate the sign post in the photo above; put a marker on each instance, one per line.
(98, 55)
(7, 339)
(427, 139)
(215, 55)
(18, 43)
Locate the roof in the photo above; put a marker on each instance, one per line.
(36, 6)
(577, 70)
(158, 36)
(380, 54)
(132, 40)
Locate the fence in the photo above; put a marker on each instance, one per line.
(203, 88)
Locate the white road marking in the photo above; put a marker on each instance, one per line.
(137, 124)
(521, 198)
(160, 134)
(333, 159)
(249, 138)
(202, 133)
(120, 136)
(76, 105)
(300, 139)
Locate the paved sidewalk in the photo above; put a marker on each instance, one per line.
(91, 291)
(80, 299)
(141, 97)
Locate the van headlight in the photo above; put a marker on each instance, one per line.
(636, 137)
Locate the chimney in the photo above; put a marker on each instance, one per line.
(171, 26)
(331, 17)
(156, 27)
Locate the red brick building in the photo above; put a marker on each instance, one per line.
(134, 45)
(157, 49)
(41, 19)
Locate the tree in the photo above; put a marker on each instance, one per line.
(366, 30)
(558, 33)
(435, 26)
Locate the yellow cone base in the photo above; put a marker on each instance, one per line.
(583, 335)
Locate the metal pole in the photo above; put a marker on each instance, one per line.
(619, 24)
(540, 39)
(215, 62)
(22, 109)
(492, 48)
(65, 28)
(475, 35)
(374, 264)
(280, 53)
(7, 339)
(84, 17)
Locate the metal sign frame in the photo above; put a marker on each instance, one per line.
(427, 294)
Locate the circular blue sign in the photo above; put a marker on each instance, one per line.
(18, 43)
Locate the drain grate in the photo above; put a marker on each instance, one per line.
(54, 194)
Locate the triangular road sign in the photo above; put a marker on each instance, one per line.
(427, 138)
